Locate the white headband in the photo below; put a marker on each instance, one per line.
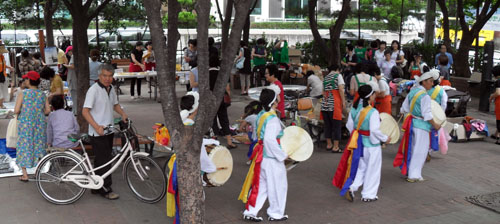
(277, 92)
(369, 94)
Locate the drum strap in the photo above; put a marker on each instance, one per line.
(435, 93)
(263, 120)
(414, 100)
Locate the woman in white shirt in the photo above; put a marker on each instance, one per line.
(398, 56)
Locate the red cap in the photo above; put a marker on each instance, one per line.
(32, 75)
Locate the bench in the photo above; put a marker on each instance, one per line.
(117, 142)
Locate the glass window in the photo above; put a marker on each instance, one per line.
(258, 8)
(295, 9)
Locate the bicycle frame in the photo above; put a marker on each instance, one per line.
(94, 181)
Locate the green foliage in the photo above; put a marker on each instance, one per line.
(118, 15)
(389, 11)
(108, 53)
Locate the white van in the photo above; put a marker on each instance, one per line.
(116, 38)
(11, 37)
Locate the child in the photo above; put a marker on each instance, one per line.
(366, 156)
(249, 125)
(15, 91)
(60, 124)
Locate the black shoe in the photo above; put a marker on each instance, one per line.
(270, 219)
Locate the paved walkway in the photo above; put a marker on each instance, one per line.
(469, 168)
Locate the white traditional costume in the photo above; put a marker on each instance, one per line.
(415, 144)
(361, 163)
(266, 178)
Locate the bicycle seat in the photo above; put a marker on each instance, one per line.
(77, 137)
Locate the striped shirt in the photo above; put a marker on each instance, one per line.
(329, 84)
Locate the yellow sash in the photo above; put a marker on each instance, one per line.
(412, 105)
(353, 143)
(436, 91)
(170, 197)
(249, 179)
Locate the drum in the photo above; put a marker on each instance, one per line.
(438, 114)
(305, 103)
(389, 127)
(223, 160)
(297, 143)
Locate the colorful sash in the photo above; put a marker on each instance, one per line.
(435, 93)
(252, 179)
(348, 165)
(403, 157)
(172, 191)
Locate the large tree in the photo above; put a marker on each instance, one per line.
(430, 26)
(446, 23)
(82, 14)
(187, 139)
(333, 52)
(470, 32)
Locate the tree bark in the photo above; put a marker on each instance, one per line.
(319, 41)
(461, 62)
(246, 28)
(227, 22)
(81, 20)
(430, 25)
(446, 24)
(187, 139)
(49, 8)
(336, 30)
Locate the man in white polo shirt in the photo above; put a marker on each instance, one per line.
(100, 102)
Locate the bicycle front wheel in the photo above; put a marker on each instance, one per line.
(48, 178)
(146, 179)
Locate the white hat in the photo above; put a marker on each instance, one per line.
(186, 113)
(276, 90)
(434, 73)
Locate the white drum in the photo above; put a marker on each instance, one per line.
(389, 127)
(297, 143)
(438, 114)
(223, 160)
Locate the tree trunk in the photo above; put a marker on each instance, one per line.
(81, 61)
(246, 28)
(227, 22)
(430, 25)
(461, 60)
(335, 32)
(319, 41)
(49, 29)
(446, 24)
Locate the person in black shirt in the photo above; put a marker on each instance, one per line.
(136, 65)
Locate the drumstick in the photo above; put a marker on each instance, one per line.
(222, 168)
(400, 117)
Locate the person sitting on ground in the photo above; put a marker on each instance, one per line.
(61, 123)
(249, 124)
(314, 85)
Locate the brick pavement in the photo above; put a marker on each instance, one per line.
(469, 168)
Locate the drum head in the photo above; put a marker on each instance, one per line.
(297, 143)
(223, 160)
(438, 114)
(389, 127)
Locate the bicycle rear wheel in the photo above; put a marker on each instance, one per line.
(48, 178)
(152, 187)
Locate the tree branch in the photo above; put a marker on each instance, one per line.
(54, 7)
(220, 12)
(461, 16)
(97, 10)
(69, 6)
(227, 23)
(87, 5)
(314, 29)
(165, 57)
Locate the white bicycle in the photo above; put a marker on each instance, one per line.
(63, 177)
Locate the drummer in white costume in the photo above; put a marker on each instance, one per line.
(418, 104)
(370, 164)
(189, 109)
(272, 182)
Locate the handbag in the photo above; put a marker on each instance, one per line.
(12, 133)
(240, 63)
(227, 99)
